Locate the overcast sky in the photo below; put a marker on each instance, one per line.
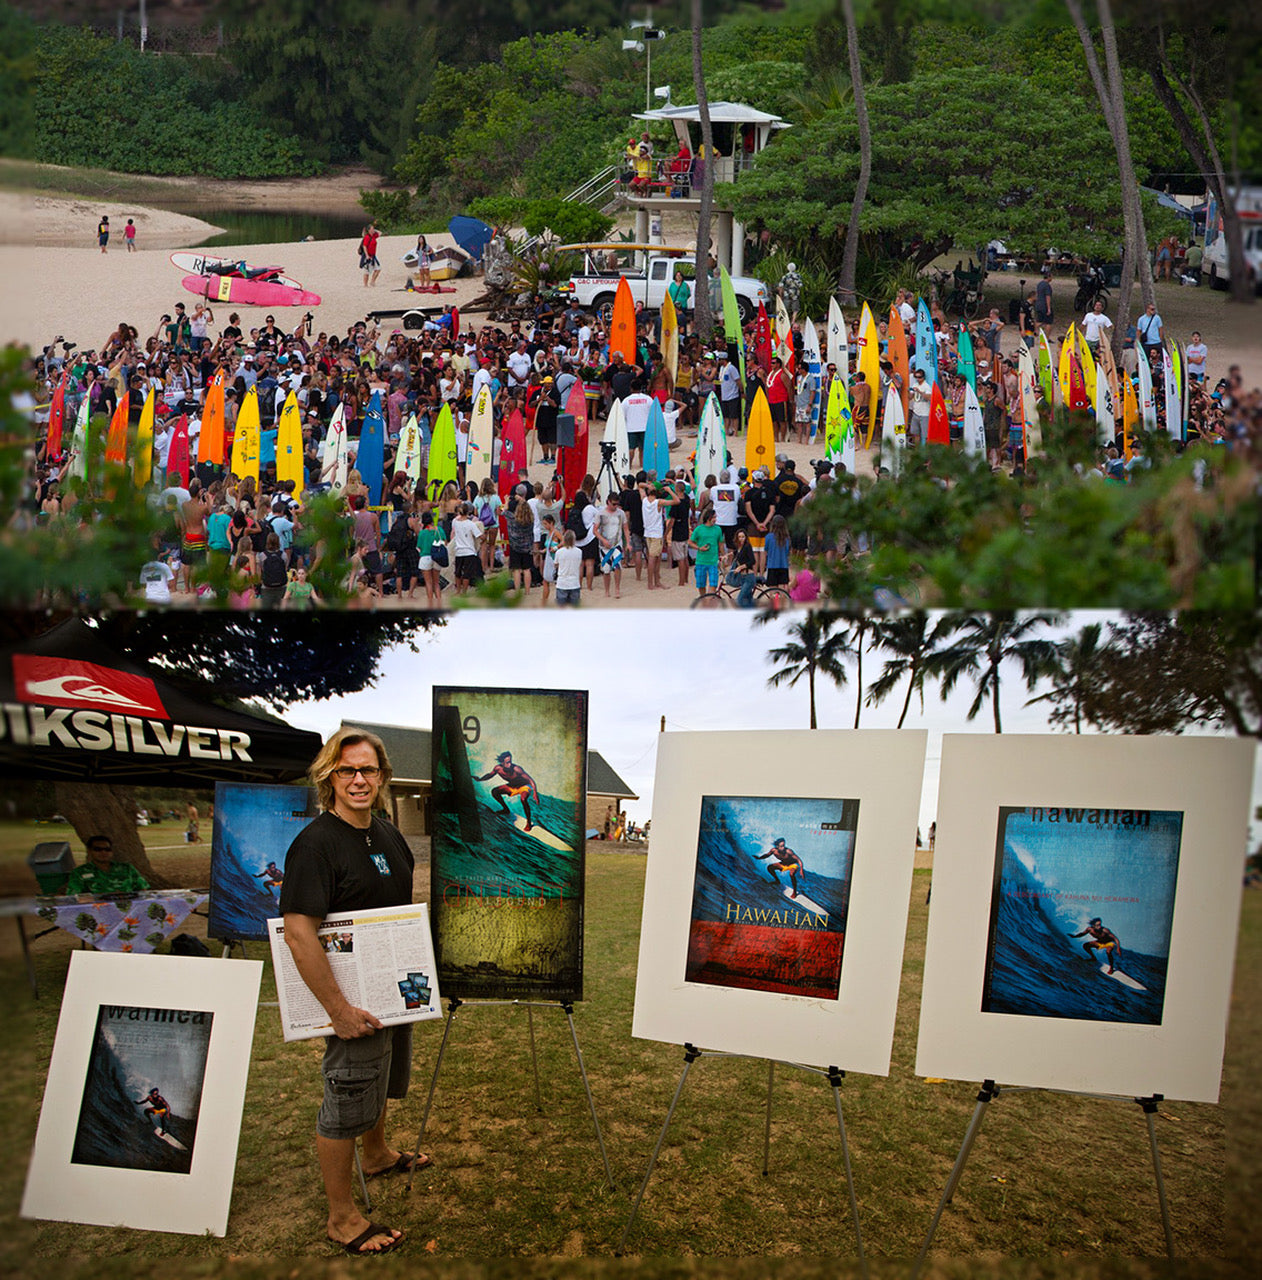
(700, 671)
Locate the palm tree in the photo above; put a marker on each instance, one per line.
(850, 253)
(987, 641)
(703, 322)
(811, 649)
(912, 641)
(1113, 105)
(857, 631)
(1074, 662)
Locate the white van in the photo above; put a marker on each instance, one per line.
(1214, 265)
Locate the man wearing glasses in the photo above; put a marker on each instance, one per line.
(350, 859)
(101, 874)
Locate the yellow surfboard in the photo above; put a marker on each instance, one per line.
(1087, 360)
(245, 444)
(869, 364)
(142, 464)
(670, 338)
(289, 444)
(1067, 349)
(760, 443)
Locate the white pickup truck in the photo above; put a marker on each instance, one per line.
(649, 269)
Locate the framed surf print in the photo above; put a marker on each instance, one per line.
(1082, 927)
(775, 899)
(254, 827)
(142, 1108)
(507, 855)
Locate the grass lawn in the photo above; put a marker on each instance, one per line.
(1057, 1186)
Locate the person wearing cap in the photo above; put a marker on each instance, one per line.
(547, 406)
(729, 393)
(759, 507)
(920, 394)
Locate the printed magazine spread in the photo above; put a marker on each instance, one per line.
(383, 961)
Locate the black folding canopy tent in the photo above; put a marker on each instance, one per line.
(74, 709)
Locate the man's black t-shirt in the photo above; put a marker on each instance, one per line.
(679, 518)
(760, 502)
(790, 490)
(629, 500)
(332, 866)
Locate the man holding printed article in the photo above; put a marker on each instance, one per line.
(349, 859)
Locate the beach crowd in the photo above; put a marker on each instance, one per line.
(247, 537)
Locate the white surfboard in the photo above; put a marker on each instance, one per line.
(199, 264)
(481, 431)
(974, 429)
(1124, 978)
(803, 903)
(893, 432)
(837, 347)
(815, 367)
(542, 834)
(615, 434)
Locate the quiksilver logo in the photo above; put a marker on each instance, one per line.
(82, 689)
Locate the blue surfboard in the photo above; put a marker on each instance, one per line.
(371, 457)
(656, 446)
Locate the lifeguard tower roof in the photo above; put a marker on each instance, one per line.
(720, 113)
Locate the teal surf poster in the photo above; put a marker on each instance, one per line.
(770, 894)
(507, 853)
(254, 827)
(1081, 913)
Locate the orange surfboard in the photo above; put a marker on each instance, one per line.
(896, 351)
(622, 330)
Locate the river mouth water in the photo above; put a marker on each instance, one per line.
(275, 226)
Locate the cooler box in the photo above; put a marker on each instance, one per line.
(51, 862)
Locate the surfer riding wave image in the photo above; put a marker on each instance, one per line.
(508, 841)
(143, 1090)
(1081, 913)
(771, 893)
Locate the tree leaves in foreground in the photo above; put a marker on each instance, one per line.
(950, 532)
(1164, 673)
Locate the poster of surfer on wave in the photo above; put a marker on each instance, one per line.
(143, 1090)
(771, 893)
(509, 775)
(1081, 913)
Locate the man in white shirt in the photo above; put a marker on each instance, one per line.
(726, 497)
(155, 576)
(654, 533)
(518, 366)
(730, 394)
(635, 412)
(1096, 326)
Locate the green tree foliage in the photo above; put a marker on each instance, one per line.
(346, 74)
(938, 179)
(103, 104)
(769, 85)
(19, 67)
(1163, 673)
(950, 532)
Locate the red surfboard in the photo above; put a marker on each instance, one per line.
(57, 418)
(762, 339)
(1078, 399)
(249, 293)
(574, 460)
(512, 452)
(939, 424)
(177, 458)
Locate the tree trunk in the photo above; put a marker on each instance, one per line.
(810, 681)
(858, 698)
(850, 253)
(1208, 160)
(96, 808)
(911, 685)
(703, 317)
(1112, 104)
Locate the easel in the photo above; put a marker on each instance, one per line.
(454, 1004)
(834, 1077)
(988, 1092)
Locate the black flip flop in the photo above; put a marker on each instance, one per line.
(404, 1164)
(356, 1247)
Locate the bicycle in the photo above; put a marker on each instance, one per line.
(725, 595)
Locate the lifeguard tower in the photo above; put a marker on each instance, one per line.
(674, 182)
